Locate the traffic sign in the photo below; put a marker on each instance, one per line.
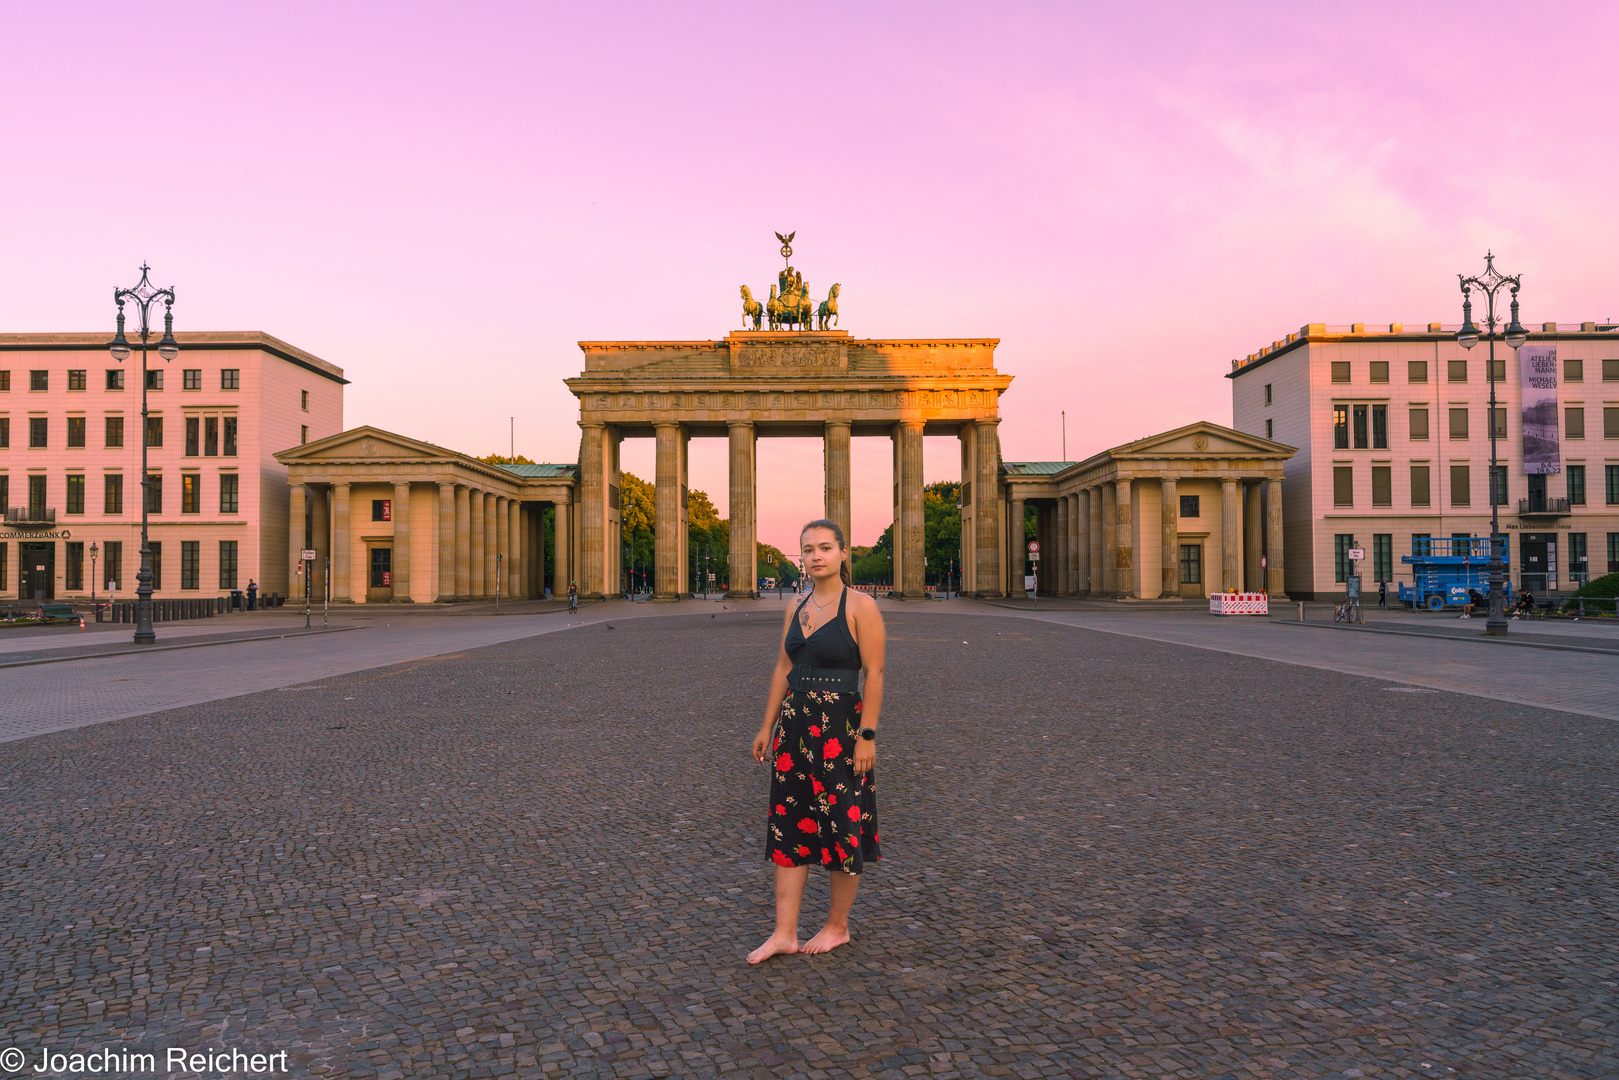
(1357, 554)
(1034, 545)
(309, 554)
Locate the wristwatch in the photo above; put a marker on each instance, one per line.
(868, 733)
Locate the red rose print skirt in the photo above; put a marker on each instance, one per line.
(820, 811)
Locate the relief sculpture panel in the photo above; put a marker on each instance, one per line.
(790, 357)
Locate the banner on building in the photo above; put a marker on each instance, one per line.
(1538, 367)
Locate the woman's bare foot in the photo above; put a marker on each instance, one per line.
(773, 945)
(827, 940)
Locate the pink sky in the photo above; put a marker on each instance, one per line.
(443, 199)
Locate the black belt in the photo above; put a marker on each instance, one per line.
(810, 677)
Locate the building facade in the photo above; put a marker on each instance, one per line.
(70, 462)
(1393, 430)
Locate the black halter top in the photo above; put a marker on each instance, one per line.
(830, 646)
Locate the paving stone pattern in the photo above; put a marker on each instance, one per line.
(1104, 857)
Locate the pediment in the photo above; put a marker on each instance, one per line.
(365, 444)
(1204, 439)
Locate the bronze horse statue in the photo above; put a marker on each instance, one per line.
(751, 309)
(827, 313)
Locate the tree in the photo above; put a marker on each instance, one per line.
(941, 529)
(502, 459)
(638, 515)
(774, 563)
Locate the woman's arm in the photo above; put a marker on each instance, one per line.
(778, 693)
(873, 641)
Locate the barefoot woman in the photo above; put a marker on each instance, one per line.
(823, 793)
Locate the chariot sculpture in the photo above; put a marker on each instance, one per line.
(789, 306)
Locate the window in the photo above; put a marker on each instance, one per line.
(1575, 478)
(191, 379)
(1268, 431)
(1610, 474)
(154, 379)
(1458, 423)
(39, 380)
(115, 378)
(1498, 369)
(1340, 427)
(1573, 370)
(1613, 553)
(382, 509)
(227, 564)
(1380, 427)
(75, 431)
(1267, 393)
(1419, 485)
(1383, 556)
(38, 428)
(1578, 560)
(1419, 423)
(190, 564)
(75, 564)
(1498, 485)
(1382, 487)
(75, 493)
(1460, 486)
(1574, 422)
(1500, 423)
(3, 585)
(76, 379)
(1420, 545)
(112, 563)
(230, 436)
(190, 493)
(115, 431)
(1360, 427)
(304, 400)
(229, 489)
(210, 436)
(193, 435)
(303, 433)
(1610, 422)
(5, 498)
(230, 378)
(5, 432)
(1190, 507)
(36, 497)
(1342, 543)
(154, 431)
(1416, 371)
(1457, 370)
(156, 547)
(1379, 371)
(382, 567)
(5, 385)
(1610, 371)
(1191, 564)
(1343, 485)
(154, 493)
(113, 493)
(1340, 371)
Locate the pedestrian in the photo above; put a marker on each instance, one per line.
(820, 737)
(1474, 600)
(252, 593)
(573, 596)
(1382, 594)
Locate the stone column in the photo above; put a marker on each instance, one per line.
(839, 502)
(986, 507)
(522, 545)
(401, 554)
(666, 519)
(1275, 581)
(1127, 543)
(744, 552)
(1230, 524)
(1170, 562)
(463, 542)
(320, 537)
(1018, 546)
(491, 543)
(500, 526)
(914, 585)
(1253, 577)
(1082, 543)
(1096, 519)
(341, 589)
(446, 542)
(1110, 540)
(1062, 582)
(475, 578)
(593, 510)
(297, 538)
(1071, 564)
(562, 558)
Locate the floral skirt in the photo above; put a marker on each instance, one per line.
(820, 811)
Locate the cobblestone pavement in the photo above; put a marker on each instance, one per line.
(1104, 856)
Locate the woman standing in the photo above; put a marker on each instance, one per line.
(823, 790)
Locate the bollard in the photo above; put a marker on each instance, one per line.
(1301, 611)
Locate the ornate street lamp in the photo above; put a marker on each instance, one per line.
(1489, 283)
(95, 549)
(143, 296)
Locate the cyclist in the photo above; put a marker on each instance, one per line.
(573, 596)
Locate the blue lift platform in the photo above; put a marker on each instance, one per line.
(1444, 568)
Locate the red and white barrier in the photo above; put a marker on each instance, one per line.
(1239, 603)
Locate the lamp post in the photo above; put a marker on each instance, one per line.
(143, 296)
(95, 549)
(1489, 283)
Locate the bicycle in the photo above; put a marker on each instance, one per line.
(1347, 611)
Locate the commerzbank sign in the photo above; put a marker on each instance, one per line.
(17, 534)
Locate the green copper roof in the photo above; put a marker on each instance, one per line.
(542, 470)
(1034, 468)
